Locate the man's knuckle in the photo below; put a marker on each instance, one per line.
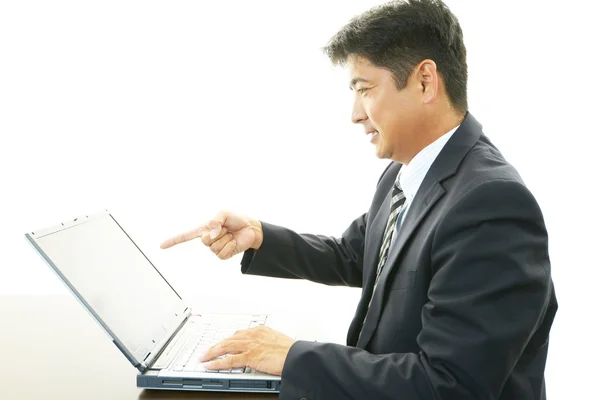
(231, 361)
(251, 353)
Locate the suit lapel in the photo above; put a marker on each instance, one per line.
(371, 257)
(415, 214)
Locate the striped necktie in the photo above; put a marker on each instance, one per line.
(397, 207)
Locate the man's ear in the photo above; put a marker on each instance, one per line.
(426, 74)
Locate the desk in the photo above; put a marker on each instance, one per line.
(51, 348)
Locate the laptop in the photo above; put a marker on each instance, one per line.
(140, 311)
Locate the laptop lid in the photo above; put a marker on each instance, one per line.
(115, 282)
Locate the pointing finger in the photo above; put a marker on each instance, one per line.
(184, 237)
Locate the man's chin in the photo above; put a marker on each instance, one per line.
(383, 155)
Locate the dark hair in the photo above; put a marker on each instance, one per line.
(399, 35)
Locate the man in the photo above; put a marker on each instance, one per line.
(452, 256)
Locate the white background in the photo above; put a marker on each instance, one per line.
(166, 112)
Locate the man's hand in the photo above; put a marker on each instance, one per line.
(262, 349)
(226, 235)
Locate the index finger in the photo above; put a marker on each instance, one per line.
(184, 237)
(226, 346)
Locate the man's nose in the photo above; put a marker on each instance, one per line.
(358, 112)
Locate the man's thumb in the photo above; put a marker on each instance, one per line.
(215, 229)
(216, 224)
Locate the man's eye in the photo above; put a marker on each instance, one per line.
(362, 91)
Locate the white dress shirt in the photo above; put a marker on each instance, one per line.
(412, 175)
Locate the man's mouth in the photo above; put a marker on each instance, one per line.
(372, 135)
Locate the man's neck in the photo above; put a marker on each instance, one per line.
(434, 129)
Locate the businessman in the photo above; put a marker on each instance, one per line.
(452, 255)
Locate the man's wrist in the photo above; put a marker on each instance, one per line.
(258, 232)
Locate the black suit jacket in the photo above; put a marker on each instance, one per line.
(465, 301)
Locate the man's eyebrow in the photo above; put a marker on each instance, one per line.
(355, 81)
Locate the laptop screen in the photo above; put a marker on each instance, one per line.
(99, 260)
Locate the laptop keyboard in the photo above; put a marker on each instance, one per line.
(201, 334)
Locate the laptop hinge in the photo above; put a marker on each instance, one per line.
(160, 346)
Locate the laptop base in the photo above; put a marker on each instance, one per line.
(151, 380)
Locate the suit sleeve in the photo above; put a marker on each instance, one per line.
(488, 295)
(331, 261)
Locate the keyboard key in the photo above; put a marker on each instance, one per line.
(190, 367)
(201, 367)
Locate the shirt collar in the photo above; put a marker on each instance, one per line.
(412, 175)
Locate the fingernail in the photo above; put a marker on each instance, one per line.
(214, 233)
